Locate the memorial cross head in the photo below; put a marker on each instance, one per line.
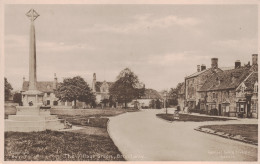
(32, 14)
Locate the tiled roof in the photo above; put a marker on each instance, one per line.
(250, 81)
(197, 73)
(43, 86)
(151, 94)
(228, 79)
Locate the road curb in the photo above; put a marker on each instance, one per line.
(225, 135)
(164, 119)
(108, 131)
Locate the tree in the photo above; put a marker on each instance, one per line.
(18, 98)
(174, 94)
(127, 87)
(73, 89)
(8, 88)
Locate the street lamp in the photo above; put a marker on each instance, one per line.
(165, 101)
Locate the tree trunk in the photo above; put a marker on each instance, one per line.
(75, 101)
(125, 104)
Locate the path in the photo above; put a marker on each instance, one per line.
(141, 136)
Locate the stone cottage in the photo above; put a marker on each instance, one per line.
(46, 87)
(100, 89)
(194, 82)
(231, 92)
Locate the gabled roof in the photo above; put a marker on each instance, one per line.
(151, 94)
(197, 73)
(229, 79)
(201, 72)
(99, 83)
(43, 86)
(250, 81)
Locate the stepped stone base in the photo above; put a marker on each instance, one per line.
(32, 118)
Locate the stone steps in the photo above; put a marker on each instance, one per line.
(32, 117)
(14, 125)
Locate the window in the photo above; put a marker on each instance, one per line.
(256, 87)
(254, 107)
(48, 94)
(215, 95)
(243, 89)
(242, 107)
(237, 107)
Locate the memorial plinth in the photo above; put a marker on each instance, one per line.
(32, 118)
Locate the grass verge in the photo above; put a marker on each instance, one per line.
(59, 146)
(248, 131)
(192, 118)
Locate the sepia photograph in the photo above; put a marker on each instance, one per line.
(130, 82)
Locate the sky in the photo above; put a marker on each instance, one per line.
(160, 43)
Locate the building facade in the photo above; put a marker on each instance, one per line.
(47, 91)
(232, 92)
(194, 82)
(100, 89)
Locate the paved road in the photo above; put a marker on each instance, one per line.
(141, 136)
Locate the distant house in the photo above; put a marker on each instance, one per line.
(100, 89)
(232, 92)
(149, 98)
(47, 89)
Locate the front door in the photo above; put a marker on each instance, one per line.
(219, 110)
(248, 109)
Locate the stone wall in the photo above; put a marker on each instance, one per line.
(85, 112)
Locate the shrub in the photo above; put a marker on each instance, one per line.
(214, 112)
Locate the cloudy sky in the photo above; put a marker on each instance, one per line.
(161, 43)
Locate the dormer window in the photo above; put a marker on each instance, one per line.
(243, 89)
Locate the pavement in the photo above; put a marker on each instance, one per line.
(141, 136)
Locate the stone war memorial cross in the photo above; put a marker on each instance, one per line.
(30, 117)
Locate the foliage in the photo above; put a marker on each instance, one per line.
(174, 94)
(127, 87)
(8, 88)
(191, 118)
(18, 98)
(155, 104)
(105, 102)
(73, 89)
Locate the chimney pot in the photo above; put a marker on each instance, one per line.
(198, 68)
(254, 59)
(237, 64)
(203, 67)
(214, 63)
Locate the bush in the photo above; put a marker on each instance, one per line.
(200, 111)
(214, 112)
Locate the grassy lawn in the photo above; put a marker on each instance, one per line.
(59, 146)
(192, 118)
(249, 131)
(89, 144)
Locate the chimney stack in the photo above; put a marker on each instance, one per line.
(214, 63)
(94, 83)
(203, 67)
(237, 64)
(55, 82)
(198, 68)
(254, 59)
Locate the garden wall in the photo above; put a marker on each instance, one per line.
(87, 112)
